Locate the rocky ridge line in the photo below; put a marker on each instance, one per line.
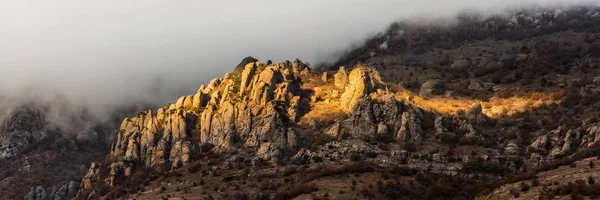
(258, 108)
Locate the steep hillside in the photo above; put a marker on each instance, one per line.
(43, 156)
(419, 112)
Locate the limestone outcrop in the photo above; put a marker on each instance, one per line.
(254, 108)
(57, 192)
(450, 125)
(247, 109)
(383, 116)
(341, 78)
(361, 81)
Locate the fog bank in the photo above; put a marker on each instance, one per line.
(101, 54)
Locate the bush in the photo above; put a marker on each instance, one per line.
(337, 170)
(296, 190)
(524, 187)
(535, 182)
(504, 94)
(571, 99)
(403, 170)
(410, 146)
(195, 167)
(101, 188)
(479, 165)
(523, 177)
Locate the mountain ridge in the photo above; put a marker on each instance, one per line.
(477, 110)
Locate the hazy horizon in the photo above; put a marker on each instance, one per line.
(107, 53)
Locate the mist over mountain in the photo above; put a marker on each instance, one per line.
(309, 99)
(102, 54)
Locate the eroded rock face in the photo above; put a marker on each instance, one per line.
(362, 81)
(22, 127)
(57, 192)
(36, 193)
(256, 109)
(452, 125)
(253, 115)
(388, 118)
(92, 176)
(341, 78)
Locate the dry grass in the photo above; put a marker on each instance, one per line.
(495, 107)
(327, 110)
(552, 179)
(325, 113)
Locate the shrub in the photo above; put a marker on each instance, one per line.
(337, 170)
(536, 96)
(479, 165)
(504, 94)
(410, 146)
(403, 170)
(571, 99)
(195, 167)
(524, 187)
(101, 188)
(515, 193)
(523, 177)
(535, 182)
(296, 190)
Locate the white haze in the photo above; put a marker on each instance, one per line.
(99, 54)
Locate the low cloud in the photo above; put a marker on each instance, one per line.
(103, 54)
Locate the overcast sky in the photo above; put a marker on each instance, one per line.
(107, 52)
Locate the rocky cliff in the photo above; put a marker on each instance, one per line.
(421, 112)
(259, 108)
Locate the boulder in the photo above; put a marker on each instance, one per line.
(382, 129)
(188, 102)
(179, 104)
(596, 80)
(475, 114)
(432, 87)
(486, 60)
(460, 65)
(341, 78)
(243, 63)
(271, 76)
(213, 85)
(507, 60)
(299, 68)
(450, 124)
(512, 148)
(475, 86)
(334, 130)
